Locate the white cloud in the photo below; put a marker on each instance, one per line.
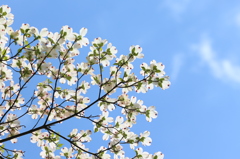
(177, 63)
(223, 69)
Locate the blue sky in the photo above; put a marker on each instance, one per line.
(198, 41)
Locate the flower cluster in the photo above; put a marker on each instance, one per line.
(65, 94)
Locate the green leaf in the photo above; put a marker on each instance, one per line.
(64, 34)
(22, 30)
(46, 148)
(26, 43)
(155, 68)
(1, 148)
(136, 152)
(144, 69)
(135, 54)
(131, 141)
(61, 32)
(117, 125)
(139, 85)
(96, 80)
(96, 130)
(101, 153)
(27, 30)
(103, 57)
(78, 37)
(125, 74)
(133, 50)
(51, 40)
(100, 45)
(20, 50)
(142, 139)
(4, 13)
(148, 113)
(59, 145)
(68, 77)
(4, 52)
(66, 154)
(116, 63)
(49, 81)
(5, 58)
(155, 157)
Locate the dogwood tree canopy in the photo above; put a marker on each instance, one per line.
(43, 79)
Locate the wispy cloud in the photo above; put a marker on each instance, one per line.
(237, 19)
(223, 69)
(177, 7)
(177, 63)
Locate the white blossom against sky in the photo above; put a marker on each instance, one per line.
(197, 41)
